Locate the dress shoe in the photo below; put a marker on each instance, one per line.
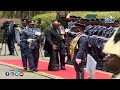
(25, 69)
(31, 71)
(63, 68)
(36, 70)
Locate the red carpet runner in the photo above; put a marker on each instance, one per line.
(69, 73)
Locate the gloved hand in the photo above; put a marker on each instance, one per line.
(37, 33)
(29, 40)
(67, 30)
(78, 61)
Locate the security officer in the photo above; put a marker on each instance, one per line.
(81, 55)
(55, 46)
(30, 40)
(18, 33)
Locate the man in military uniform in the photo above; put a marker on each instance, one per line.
(18, 33)
(72, 34)
(55, 46)
(30, 40)
(81, 55)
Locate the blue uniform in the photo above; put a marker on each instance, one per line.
(96, 44)
(32, 49)
(71, 24)
(81, 54)
(111, 33)
(72, 35)
(18, 32)
(110, 29)
(88, 29)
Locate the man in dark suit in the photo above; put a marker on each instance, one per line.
(11, 38)
(55, 45)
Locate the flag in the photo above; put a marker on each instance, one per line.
(73, 45)
(68, 17)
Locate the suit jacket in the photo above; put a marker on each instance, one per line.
(53, 38)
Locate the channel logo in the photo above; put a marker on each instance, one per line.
(14, 74)
(7, 73)
(21, 74)
(11, 73)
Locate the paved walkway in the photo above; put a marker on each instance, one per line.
(4, 68)
(26, 75)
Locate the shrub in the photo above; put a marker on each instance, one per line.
(46, 18)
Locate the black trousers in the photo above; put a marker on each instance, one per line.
(54, 58)
(10, 44)
(79, 69)
(60, 53)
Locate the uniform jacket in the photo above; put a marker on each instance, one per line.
(83, 45)
(27, 34)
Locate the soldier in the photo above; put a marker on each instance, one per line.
(30, 40)
(55, 46)
(81, 55)
(18, 33)
(72, 22)
(72, 35)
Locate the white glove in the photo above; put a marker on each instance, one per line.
(37, 33)
(78, 61)
(29, 40)
(67, 30)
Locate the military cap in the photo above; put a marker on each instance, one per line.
(78, 17)
(24, 20)
(82, 19)
(79, 25)
(31, 22)
(117, 21)
(73, 16)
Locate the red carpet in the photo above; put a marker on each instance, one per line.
(69, 73)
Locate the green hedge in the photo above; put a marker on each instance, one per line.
(46, 18)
